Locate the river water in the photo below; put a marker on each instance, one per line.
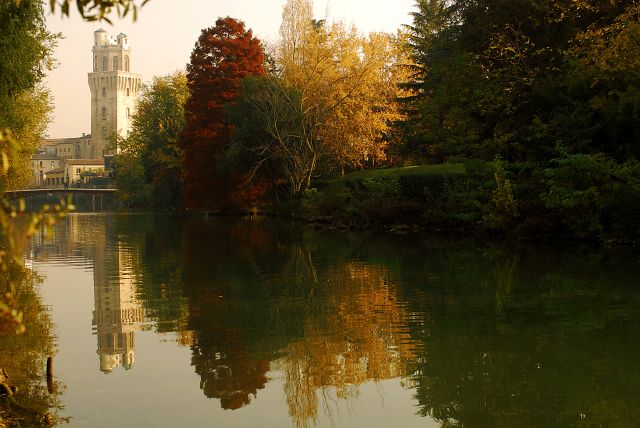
(163, 321)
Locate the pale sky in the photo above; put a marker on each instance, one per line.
(165, 33)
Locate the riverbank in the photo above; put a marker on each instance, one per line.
(583, 198)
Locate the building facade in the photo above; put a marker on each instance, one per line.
(55, 177)
(54, 154)
(76, 170)
(71, 148)
(42, 164)
(114, 89)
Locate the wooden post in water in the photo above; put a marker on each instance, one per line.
(51, 387)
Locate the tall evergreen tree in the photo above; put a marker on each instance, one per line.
(222, 56)
(496, 77)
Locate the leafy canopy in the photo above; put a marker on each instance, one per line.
(223, 55)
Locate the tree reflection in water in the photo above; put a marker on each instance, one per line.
(530, 338)
(354, 332)
(483, 335)
(24, 357)
(487, 336)
(226, 370)
(334, 325)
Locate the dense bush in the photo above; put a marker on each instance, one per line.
(442, 196)
(585, 196)
(593, 196)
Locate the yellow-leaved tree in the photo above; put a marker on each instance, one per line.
(328, 104)
(348, 77)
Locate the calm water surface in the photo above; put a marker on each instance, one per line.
(164, 321)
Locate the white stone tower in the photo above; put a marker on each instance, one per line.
(114, 89)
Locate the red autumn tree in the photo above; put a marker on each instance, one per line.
(222, 56)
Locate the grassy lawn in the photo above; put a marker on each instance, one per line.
(439, 169)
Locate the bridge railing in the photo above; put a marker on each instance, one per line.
(73, 186)
(23, 193)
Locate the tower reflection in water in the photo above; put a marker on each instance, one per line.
(117, 313)
(92, 241)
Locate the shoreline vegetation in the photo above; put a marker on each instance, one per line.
(484, 200)
(472, 200)
(480, 118)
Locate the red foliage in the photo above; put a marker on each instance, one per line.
(222, 56)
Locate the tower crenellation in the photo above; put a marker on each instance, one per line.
(114, 88)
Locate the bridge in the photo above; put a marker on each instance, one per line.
(23, 193)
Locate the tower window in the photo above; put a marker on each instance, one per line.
(95, 63)
(104, 112)
(115, 62)
(127, 91)
(104, 132)
(104, 91)
(126, 63)
(128, 110)
(104, 63)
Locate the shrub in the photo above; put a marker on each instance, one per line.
(592, 195)
(443, 195)
(332, 201)
(502, 211)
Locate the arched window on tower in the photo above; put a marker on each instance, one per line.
(128, 112)
(127, 91)
(126, 63)
(115, 62)
(104, 112)
(104, 91)
(104, 63)
(95, 63)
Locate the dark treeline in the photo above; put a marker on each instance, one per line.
(528, 81)
(531, 107)
(549, 87)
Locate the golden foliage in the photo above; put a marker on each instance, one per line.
(612, 48)
(349, 77)
(28, 116)
(358, 335)
(16, 229)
